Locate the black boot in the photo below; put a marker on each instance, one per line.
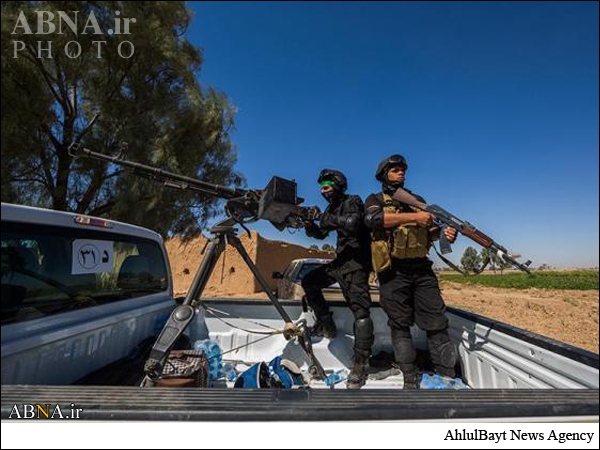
(405, 356)
(443, 352)
(360, 372)
(324, 327)
(411, 378)
(363, 341)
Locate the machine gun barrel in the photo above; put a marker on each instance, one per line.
(277, 203)
(169, 179)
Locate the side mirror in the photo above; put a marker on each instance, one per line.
(277, 276)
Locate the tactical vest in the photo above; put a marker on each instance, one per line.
(402, 242)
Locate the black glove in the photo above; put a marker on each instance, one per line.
(313, 213)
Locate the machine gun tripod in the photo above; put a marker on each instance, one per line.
(223, 233)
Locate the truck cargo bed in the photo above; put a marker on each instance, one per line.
(512, 374)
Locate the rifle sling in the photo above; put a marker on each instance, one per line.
(458, 269)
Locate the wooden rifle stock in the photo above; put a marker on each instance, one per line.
(477, 236)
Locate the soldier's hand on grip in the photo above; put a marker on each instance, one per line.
(423, 219)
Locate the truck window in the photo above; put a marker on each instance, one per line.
(289, 270)
(305, 269)
(48, 270)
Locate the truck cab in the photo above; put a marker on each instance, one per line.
(78, 293)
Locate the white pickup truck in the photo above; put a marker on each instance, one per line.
(77, 328)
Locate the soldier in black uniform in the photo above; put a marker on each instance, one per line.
(350, 268)
(409, 290)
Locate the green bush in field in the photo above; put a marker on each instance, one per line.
(577, 279)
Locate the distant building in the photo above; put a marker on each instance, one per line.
(231, 276)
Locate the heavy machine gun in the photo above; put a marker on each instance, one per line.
(278, 203)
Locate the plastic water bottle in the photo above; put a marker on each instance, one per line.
(201, 346)
(431, 382)
(229, 371)
(213, 352)
(439, 382)
(215, 360)
(336, 377)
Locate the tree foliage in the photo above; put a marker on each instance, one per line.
(328, 248)
(471, 261)
(495, 261)
(153, 101)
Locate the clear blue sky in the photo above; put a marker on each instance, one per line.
(495, 106)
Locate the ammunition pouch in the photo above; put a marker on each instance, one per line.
(410, 241)
(380, 255)
(404, 242)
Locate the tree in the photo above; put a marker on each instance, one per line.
(495, 260)
(150, 99)
(503, 265)
(314, 247)
(328, 248)
(471, 261)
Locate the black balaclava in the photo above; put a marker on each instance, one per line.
(335, 179)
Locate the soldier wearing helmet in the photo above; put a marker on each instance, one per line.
(409, 290)
(350, 268)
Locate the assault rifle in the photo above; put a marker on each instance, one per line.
(443, 219)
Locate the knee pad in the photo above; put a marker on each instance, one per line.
(442, 350)
(404, 351)
(363, 334)
(364, 327)
(360, 314)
